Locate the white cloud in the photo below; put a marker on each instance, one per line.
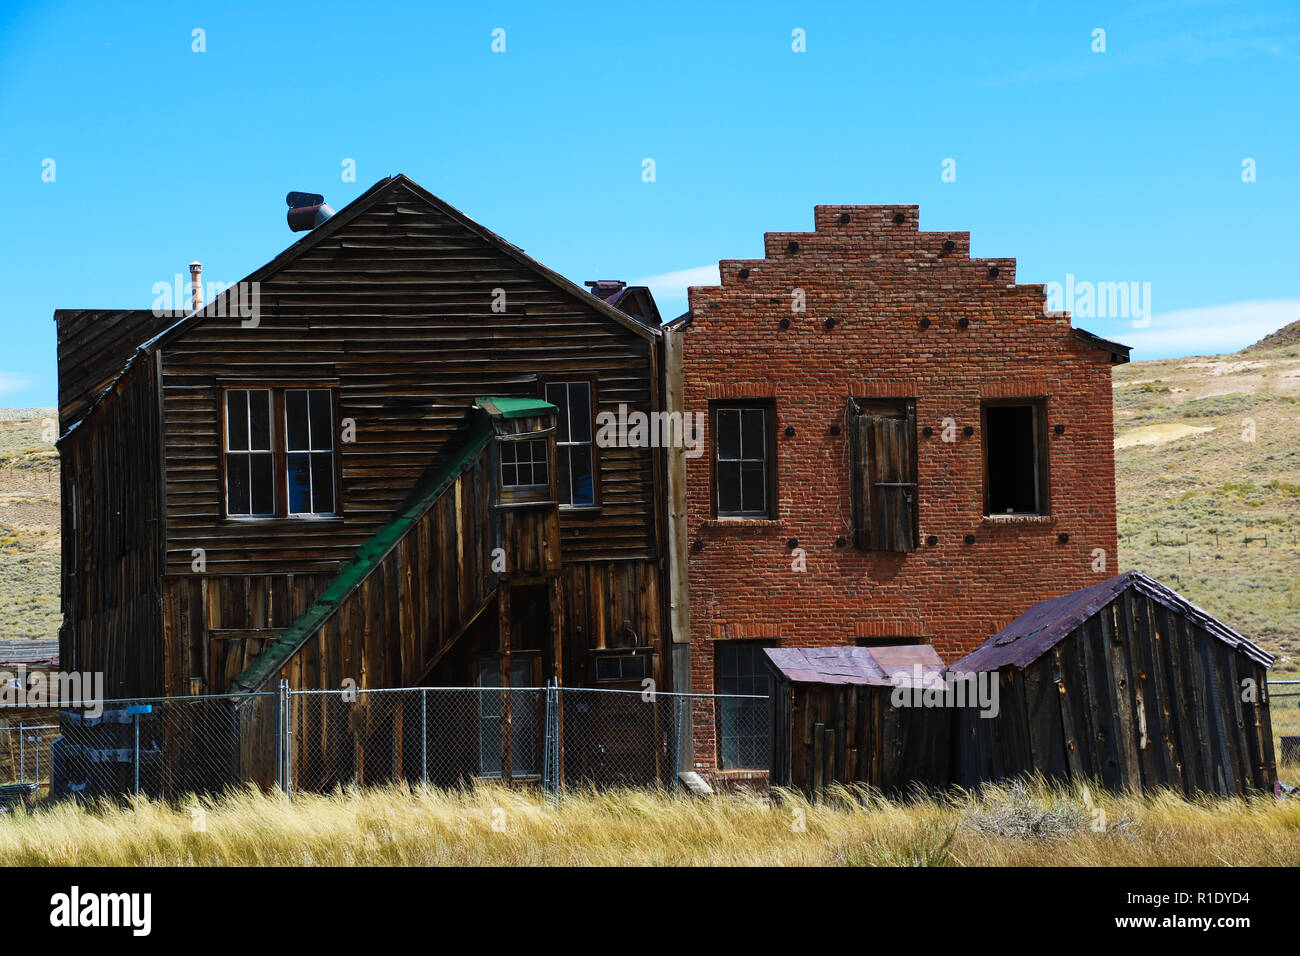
(15, 382)
(1210, 330)
(672, 286)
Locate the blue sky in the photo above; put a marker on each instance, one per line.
(1117, 166)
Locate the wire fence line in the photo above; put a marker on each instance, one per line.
(1284, 711)
(554, 738)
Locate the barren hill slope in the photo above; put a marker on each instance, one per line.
(29, 524)
(1208, 481)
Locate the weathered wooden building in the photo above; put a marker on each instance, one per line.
(1123, 683)
(375, 458)
(1127, 683)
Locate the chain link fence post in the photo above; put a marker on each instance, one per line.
(136, 722)
(282, 741)
(677, 744)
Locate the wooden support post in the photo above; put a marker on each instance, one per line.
(503, 643)
(557, 629)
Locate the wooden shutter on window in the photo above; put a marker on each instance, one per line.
(884, 477)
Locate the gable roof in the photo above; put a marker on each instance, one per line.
(146, 337)
(1119, 353)
(1047, 623)
(888, 666)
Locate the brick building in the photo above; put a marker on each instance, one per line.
(902, 447)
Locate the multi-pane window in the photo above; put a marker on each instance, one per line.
(250, 461)
(575, 458)
(621, 667)
(523, 463)
(742, 461)
(279, 452)
(744, 722)
(309, 450)
(1015, 458)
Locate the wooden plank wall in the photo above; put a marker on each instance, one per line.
(853, 734)
(112, 540)
(598, 599)
(396, 309)
(217, 624)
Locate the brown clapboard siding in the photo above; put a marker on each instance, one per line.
(112, 539)
(395, 308)
(93, 347)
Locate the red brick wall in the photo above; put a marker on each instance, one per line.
(878, 279)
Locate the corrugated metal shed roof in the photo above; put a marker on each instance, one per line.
(875, 666)
(1047, 623)
(25, 651)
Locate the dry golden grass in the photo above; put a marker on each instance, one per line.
(491, 825)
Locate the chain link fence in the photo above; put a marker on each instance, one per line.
(26, 758)
(1284, 710)
(552, 737)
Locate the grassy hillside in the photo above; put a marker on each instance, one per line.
(1208, 481)
(1207, 460)
(29, 524)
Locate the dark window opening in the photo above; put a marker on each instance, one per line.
(622, 667)
(574, 450)
(744, 722)
(743, 461)
(1015, 460)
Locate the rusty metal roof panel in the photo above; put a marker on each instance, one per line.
(1047, 623)
(871, 666)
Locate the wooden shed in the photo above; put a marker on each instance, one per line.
(1126, 683)
(833, 719)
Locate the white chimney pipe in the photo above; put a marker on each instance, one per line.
(196, 285)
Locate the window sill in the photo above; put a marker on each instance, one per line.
(278, 519)
(1019, 519)
(580, 511)
(744, 523)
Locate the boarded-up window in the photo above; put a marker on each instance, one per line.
(883, 440)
